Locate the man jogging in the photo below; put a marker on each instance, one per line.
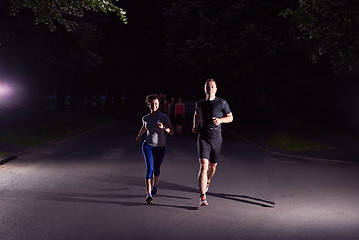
(209, 114)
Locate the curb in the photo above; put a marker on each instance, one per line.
(13, 156)
(6, 159)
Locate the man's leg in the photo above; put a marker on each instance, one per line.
(202, 175)
(210, 173)
(216, 145)
(211, 170)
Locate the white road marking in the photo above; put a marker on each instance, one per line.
(113, 153)
(222, 158)
(180, 154)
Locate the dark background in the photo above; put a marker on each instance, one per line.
(249, 47)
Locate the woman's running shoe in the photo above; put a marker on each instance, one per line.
(149, 198)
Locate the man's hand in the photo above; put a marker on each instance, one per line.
(216, 121)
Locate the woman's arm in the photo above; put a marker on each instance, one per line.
(142, 131)
(168, 129)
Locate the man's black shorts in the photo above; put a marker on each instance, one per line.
(209, 148)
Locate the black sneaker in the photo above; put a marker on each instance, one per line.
(149, 199)
(154, 191)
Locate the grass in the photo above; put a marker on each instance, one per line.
(36, 134)
(292, 143)
(3, 154)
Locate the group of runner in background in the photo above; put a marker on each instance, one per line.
(175, 110)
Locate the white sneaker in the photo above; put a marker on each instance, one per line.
(203, 201)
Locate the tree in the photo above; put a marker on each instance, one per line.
(64, 12)
(232, 36)
(329, 28)
(59, 60)
(237, 41)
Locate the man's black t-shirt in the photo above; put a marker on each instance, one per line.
(208, 109)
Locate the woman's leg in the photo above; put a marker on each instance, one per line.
(148, 184)
(149, 160)
(158, 155)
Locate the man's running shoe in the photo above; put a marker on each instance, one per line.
(154, 191)
(203, 200)
(149, 198)
(209, 181)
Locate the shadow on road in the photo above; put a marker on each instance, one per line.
(98, 198)
(173, 186)
(112, 198)
(244, 199)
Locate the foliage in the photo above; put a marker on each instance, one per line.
(64, 125)
(294, 143)
(331, 28)
(56, 59)
(64, 12)
(232, 37)
(41, 55)
(3, 154)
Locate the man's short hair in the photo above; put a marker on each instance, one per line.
(209, 80)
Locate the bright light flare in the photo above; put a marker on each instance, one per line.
(4, 90)
(8, 95)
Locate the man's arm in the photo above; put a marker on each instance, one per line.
(196, 119)
(226, 119)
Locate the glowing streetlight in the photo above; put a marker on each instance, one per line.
(2, 90)
(5, 93)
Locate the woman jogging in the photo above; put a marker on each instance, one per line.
(156, 124)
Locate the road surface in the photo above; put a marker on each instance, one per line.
(91, 186)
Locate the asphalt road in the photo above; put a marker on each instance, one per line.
(91, 186)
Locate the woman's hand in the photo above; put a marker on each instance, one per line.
(160, 125)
